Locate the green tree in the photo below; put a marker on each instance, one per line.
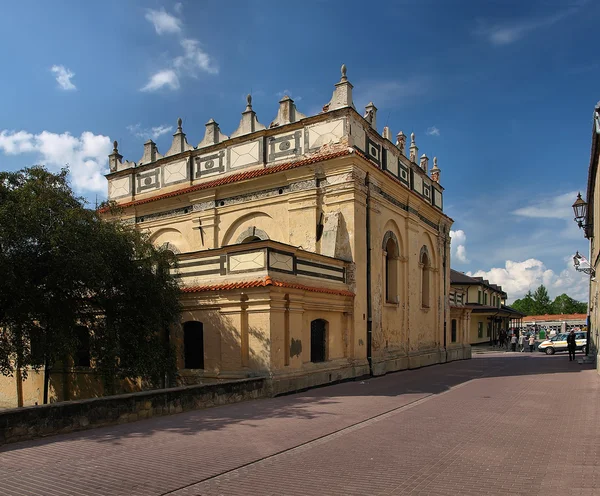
(541, 301)
(564, 304)
(63, 266)
(525, 305)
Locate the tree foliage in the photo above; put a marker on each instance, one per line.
(63, 267)
(539, 303)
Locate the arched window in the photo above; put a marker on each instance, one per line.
(391, 269)
(82, 355)
(252, 234)
(193, 345)
(250, 239)
(425, 270)
(318, 340)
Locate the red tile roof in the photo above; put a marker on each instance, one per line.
(242, 176)
(266, 281)
(542, 318)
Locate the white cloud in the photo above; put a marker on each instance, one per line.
(164, 22)
(432, 131)
(516, 278)
(555, 207)
(507, 33)
(458, 248)
(63, 77)
(146, 133)
(86, 156)
(193, 58)
(281, 94)
(163, 78)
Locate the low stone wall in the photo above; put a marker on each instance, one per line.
(36, 421)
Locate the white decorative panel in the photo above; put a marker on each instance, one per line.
(325, 133)
(119, 187)
(241, 262)
(175, 172)
(438, 199)
(357, 135)
(244, 155)
(418, 183)
(392, 163)
(281, 261)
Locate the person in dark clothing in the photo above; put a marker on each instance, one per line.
(571, 345)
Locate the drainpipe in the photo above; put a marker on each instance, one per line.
(369, 305)
(445, 317)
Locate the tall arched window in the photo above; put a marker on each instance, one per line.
(82, 356)
(425, 270)
(193, 345)
(391, 271)
(318, 340)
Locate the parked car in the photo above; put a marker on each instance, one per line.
(559, 343)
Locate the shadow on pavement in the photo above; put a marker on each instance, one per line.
(319, 402)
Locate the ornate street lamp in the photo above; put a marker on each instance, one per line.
(577, 261)
(580, 209)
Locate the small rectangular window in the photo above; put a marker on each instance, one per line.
(453, 337)
(479, 329)
(479, 297)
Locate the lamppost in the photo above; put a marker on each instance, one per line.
(580, 208)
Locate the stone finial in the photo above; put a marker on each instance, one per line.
(424, 163)
(287, 113)
(150, 153)
(212, 134)
(342, 95)
(371, 115)
(401, 142)
(249, 123)
(414, 150)
(387, 134)
(115, 158)
(179, 143)
(435, 171)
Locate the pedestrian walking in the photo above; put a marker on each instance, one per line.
(571, 344)
(513, 342)
(531, 342)
(522, 343)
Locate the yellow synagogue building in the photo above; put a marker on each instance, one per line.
(310, 250)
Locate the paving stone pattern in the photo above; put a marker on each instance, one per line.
(505, 423)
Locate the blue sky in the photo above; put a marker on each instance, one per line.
(501, 92)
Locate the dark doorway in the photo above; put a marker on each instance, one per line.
(318, 340)
(193, 345)
(82, 357)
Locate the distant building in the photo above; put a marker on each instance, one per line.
(556, 323)
(483, 304)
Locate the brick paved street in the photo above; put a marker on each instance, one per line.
(501, 423)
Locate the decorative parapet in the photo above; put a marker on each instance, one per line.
(249, 123)
(179, 144)
(291, 137)
(260, 259)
